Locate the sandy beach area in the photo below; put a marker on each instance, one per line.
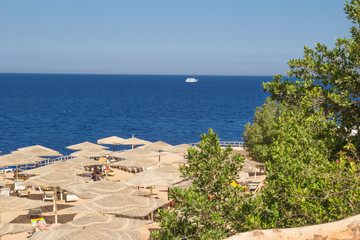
(65, 216)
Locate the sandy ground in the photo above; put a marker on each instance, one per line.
(66, 216)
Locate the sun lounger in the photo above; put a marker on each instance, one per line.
(23, 193)
(17, 185)
(5, 191)
(10, 186)
(34, 223)
(244, 175)
(252, 185)
(48, 196)
(35, 212)
(71, 198)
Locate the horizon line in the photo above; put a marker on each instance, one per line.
(143, 74)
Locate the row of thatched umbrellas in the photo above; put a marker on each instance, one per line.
(106, 197)
(62, 174)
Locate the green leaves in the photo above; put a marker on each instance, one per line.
(207, 209)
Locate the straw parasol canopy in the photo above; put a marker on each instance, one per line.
(113, 140)
(135, 162)
(251, 166)
(182, 148)
(39, 151)
(14, 204)
(2, 183)
(84, 161)
(86, 233)
(91, 153)
(98, 221)
(162, 176)
(18, 158)
(119, 204)
(94, 189)
(57, 167)
(134, 141)
(8, 228)
(86, 145)
(54, 179)
(155, 146)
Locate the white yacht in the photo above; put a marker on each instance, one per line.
(191, 80)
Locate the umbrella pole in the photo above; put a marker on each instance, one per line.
(113, 147)
(4, 176)
(17, 172)
(55, 205)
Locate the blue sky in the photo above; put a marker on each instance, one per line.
(190, 37)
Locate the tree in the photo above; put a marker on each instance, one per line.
(259, 135)
(333, 74)
(312, 165)
(206, 209)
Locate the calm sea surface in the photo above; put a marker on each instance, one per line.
(58, 110)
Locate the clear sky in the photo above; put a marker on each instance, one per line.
(190, 37)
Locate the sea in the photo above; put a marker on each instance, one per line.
(58, 110)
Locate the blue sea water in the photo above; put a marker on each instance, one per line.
(58, 110)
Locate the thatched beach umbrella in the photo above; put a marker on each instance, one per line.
(119, 204)
(163, 176)
(84, 161)
(251, 166)
(133, 141)
(155, 146)
(39, 151)
(14, 204)
(182, 148)
(135, 162)
(8, 228)
(57, 167)
(105, 222)
(114, 140)
(54, 179)
(94, 189)
(86, 233)
(86, 145)
(91, 153)
(17, 159)
(2, 183)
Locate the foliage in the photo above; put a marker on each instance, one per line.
(332, 73)
(206, 209)
(304, 185)
(313, 168)
(258, 136)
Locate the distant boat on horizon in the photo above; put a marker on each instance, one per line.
(191, 80)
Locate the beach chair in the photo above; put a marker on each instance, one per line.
(23, 193)
(109, 171)
(5, 191)
(103, 159)
(244, 175)
(35, 212)
(17, 185)
(9, 185)
(71, 198)
(34, 224)
(252, 186)
(48, 195)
